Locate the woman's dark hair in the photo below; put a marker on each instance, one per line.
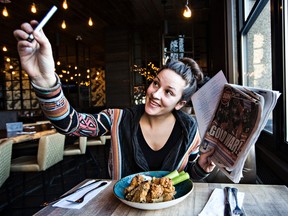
(190, 71)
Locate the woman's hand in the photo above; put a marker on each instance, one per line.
(205, 162)
(36, 57)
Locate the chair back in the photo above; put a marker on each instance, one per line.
(82, 144)
(92, 141)
(50, 150)
(5, 160)
(104, 138)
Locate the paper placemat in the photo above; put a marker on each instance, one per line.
(65, 204)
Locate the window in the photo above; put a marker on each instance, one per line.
(17, 90)
(257, 60)
(257, 72)
(177, 47)
(263, 52)
(264, 62)
(248, 7)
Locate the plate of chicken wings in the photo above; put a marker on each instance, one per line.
(151, 190)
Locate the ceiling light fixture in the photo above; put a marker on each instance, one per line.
(90, 22)
(4, 49)
(33, 8)
(5, 12)
(63, 25)
(65, 5)
(187, 12)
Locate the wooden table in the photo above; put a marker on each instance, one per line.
(259, 200)
(39, 129)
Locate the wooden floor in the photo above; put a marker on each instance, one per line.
(74, 169)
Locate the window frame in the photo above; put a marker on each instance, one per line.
(276, 141)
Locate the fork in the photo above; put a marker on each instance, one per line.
(237, 210)
(81, 199)
(69, 193)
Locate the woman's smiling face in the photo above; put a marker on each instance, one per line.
(164, 93)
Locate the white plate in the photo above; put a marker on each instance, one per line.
(183, 189)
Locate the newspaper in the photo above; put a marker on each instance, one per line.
(230, 120)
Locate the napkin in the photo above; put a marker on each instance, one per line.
(215, 204)
(65, 204)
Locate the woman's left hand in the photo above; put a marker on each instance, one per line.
(205, 162)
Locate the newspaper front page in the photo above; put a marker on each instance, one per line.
(232, 127)
(239, 115)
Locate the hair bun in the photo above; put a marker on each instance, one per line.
(195, 68)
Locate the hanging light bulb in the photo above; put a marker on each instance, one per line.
(5, 12)
(187, 12)
(63, 25)
(33, 8)
(90, 22)
(65, 5)
(4, 49)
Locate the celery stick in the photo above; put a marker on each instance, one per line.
(182, 172)
(180, 178)
(172, 174)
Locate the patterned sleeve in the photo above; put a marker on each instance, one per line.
(66, 119)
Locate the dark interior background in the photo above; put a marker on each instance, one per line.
(107, 16)
(123, 30)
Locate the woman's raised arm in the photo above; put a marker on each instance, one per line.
(36, 56)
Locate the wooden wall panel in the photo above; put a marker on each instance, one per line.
(117, 67)
(218, 39)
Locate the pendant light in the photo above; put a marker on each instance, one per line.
(65, 5)
(4, 48)
(187, 12)
(5, 12)
(63, 25)
(33, 8)
(90, 21)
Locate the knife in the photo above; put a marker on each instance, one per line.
(227, 210)
(69, 193)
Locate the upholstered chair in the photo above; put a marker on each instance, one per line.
(50, 152)
(78, 148)
(5, 163)
(5, 160)
(97, 141)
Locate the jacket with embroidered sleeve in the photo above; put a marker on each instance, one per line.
(126, 156)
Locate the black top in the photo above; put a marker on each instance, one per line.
(155, 158)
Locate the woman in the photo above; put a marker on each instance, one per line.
(154, 136)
